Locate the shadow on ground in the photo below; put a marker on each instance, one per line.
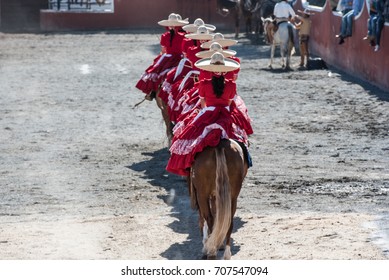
(186, 219)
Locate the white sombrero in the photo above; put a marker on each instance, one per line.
(173, 20)
(215, 47)
(202, 33)
(217, 63)
(192, 28)
(218, 37)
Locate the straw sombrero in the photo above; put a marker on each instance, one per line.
(218, 37)
(215, 47)
(202, 33)
(192, 28)
(173, 20)
(217, 63)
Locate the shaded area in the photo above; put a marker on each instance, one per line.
(178, 198)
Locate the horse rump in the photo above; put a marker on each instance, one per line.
(215, 182)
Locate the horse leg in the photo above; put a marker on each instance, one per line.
(249, 27)
(237, 21)
(282, 50)
(227, 251)
(289, 53)
(165, 115)
(206, 221)
(209, 222)
(272, 55)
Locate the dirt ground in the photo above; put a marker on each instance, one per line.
(82, 173)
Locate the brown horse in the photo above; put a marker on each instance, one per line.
(233, 8)
(250, 10)
(215, 181)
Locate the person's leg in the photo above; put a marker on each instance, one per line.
(302, 52)
(378, 29)
(349, 25)
(369, 27)
(373, 30)
(343, 26)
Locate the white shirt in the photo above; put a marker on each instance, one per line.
(283, 10)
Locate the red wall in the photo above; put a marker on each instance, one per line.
(355, 56)
(134, 14)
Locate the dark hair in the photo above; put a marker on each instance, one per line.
(172, 33)
(218, 85)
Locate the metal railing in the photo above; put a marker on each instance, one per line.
(78, 4)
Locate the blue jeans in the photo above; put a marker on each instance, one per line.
(376, 23)
(346, 27)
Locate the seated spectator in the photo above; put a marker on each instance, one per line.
(346, 26)
(375, 23)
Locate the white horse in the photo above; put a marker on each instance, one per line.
(283, 37)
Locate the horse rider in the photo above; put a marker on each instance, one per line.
(169, 57)
(213, 121)
(283, 11)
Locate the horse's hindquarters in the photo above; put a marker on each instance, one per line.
(216, 177)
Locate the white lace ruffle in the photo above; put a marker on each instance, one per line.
(167, 87)
(180, 67)
(187, 76)
(162, 58)
(149, 77)
(186, 146)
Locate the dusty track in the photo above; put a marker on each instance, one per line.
(82, 172)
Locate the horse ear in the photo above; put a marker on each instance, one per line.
(263, 20)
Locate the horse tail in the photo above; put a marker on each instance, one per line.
(291, 39)
(290, 31)
(223, 204)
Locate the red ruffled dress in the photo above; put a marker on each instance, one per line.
(206, 128)
(154, 75)
(241, 121)
(183, 90)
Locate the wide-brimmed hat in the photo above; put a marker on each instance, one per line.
(202, 33)
(173, 20)
(192, 28)
(305, 12)
(217, 63)
(215, 47)
(219, 37)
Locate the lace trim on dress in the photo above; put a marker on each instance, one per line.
(180, 67)
(149, 77)
(187, 107)
(187, 76)
(167, 87)
(162, 58)
(186, 146)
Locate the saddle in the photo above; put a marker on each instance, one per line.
(246, 153)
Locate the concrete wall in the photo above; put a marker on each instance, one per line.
(134, 14)
(355, 56)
